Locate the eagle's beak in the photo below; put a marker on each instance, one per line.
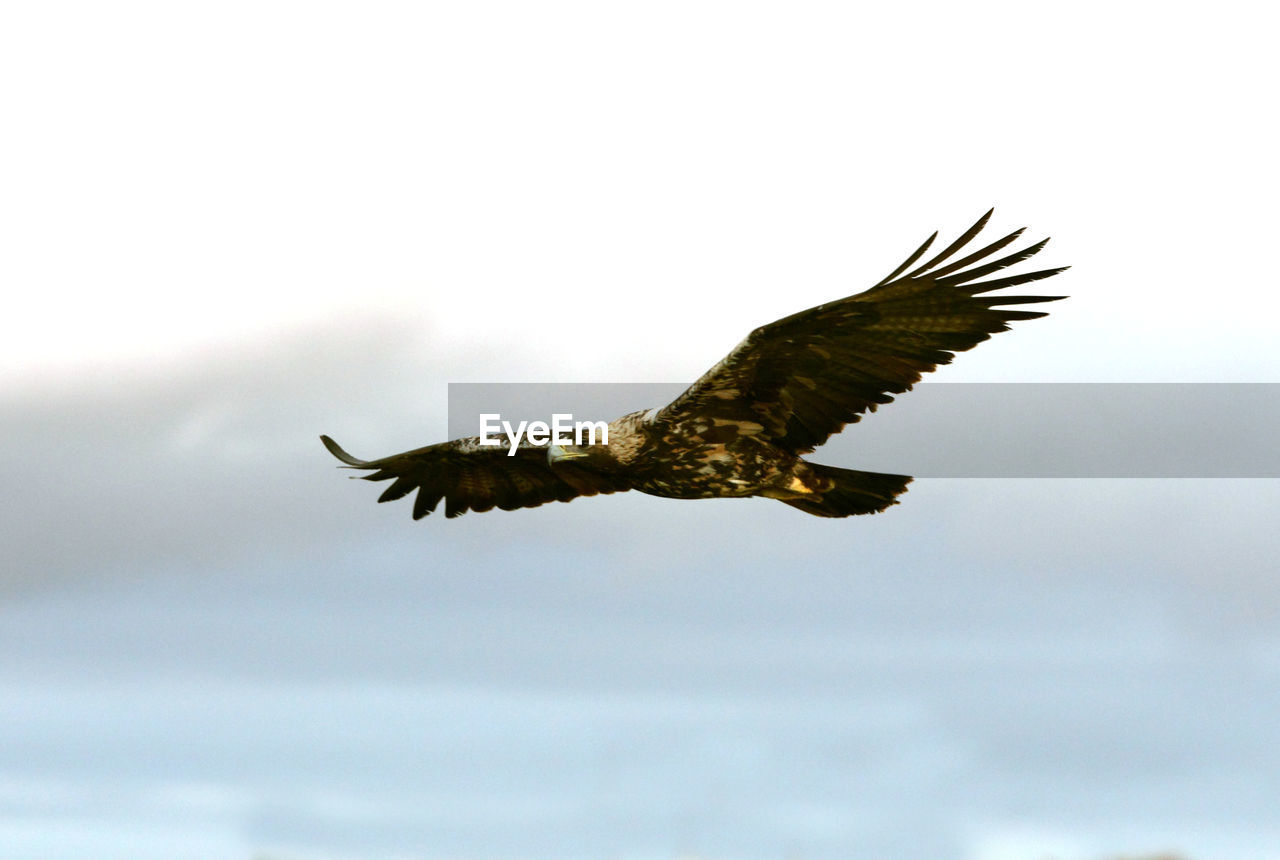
(557, 454)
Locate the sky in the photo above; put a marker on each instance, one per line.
(230, 228)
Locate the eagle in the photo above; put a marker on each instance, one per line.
(742, 428)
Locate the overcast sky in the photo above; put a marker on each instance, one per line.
(230, 228)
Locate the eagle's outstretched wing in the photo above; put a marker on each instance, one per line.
(470, 476)
(806, 376)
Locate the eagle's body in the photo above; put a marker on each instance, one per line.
(741, 429)
(697, 458)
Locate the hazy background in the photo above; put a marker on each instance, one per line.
(227, 228)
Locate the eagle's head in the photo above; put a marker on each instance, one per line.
(569, 453)
(589, 456)
(562, 453)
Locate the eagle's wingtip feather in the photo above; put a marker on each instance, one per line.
(336, 450)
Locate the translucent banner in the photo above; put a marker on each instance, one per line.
(974, 430)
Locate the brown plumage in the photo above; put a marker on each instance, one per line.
(741, 428)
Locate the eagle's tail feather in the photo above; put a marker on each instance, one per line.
(852, 492)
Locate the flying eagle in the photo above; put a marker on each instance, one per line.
(741, 429)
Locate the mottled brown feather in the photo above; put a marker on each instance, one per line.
(863, 349)
(469, 477)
